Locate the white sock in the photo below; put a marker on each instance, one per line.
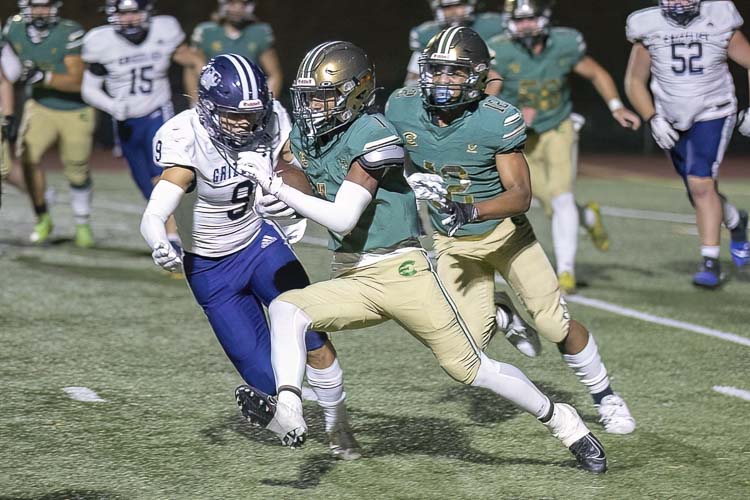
(588, 217)
(565, 231)
(80, 203)
(288, 352)
(510, 383)
(588, 367)
(731, 214)
(328, 385)
(710, 251)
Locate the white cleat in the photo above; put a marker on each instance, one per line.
(343, 444)
(287, 422)
(567, 426)
(519, 333)
(615, 415)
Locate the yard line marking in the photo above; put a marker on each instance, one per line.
(83, 394)
(733, 391)
(649, 215)
(652, 318)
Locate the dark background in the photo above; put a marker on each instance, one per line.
(382, 28)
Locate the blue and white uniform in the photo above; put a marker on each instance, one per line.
(691, 83)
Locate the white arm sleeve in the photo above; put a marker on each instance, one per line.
(340, 216)
(164, 200)
(11, 64)
(93, 93)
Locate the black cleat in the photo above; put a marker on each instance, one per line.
(589, 454)
(256, 406)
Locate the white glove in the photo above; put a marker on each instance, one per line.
(664, 135)
(119, 110)
(428, 187)
(166, 257)
(743, 122)
(247, 167)
(270, 207)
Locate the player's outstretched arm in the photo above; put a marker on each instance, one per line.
(605, 85)
(71, 80)
(516, 199)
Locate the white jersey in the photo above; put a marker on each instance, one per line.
(136, 74)
(216, 217)
(690, 80)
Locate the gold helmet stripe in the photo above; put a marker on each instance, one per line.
(307, 64)
(444, 46)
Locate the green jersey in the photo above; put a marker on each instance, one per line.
(49, 54)
(541, 82)
(254, 39)
(487, 25)
(463, 153)
(391, 219)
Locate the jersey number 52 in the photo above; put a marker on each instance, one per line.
(686, 57)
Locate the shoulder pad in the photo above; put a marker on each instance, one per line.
(174, 141)
(725, 13)
(383, 157)
(638, 25)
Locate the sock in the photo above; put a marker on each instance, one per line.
(40, 210)
(80, 202)
(710, 252)
(510, 383)
(590, 370)
(328, 385)
(565, 231)
(503, 317)
(288, 352)
(731, 214)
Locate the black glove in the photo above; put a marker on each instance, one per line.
(459, 214)
(31, 74)
(9, 126)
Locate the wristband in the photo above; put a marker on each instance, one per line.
(615, 104)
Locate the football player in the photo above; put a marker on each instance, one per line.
(126, 76)
(536, 62)
(683, 47)
(468, 151)
(354, 161)
(451, 13)
(237, 30)
(50, 49)
(234, 261)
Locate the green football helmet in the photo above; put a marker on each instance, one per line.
(454, 69)
(529, 20)
(335, 84)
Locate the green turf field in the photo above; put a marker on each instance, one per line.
(108, 320)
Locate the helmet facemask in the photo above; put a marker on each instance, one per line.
(454, 12)
(529, 21)
(129, 18)
(238, 16)
(448, 85)
(681, 12)
(41, 14)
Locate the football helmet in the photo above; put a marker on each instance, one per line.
(454, 69)
(680, 11)
(131, 18)
(235, 105)
(42, 22)
(335, 84)
(529, 20)
(236, 17)
(454, 17)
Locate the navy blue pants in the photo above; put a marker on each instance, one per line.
(232, 291)
(700, 150)
(136, 139)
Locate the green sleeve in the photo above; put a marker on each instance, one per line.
(74, 33)
(503, 125)
(201, 37)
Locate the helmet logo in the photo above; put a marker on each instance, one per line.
(347, 87)
(305, 82)
(210, 78)
(442, 56)
(252, 104)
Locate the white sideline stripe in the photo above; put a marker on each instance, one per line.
(650, 215)
(83, 394)
(733, 391)
(651, 318)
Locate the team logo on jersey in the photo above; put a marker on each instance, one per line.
(303, 160)
(343, 163)
(320, 187)
(472, 148)
(410, 138)
(211, 78)
(406, 269)
(216, 47)
(515, 68)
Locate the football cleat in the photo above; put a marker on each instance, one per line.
(84, 237)
(343, 444)
(567, 426)
(266, 411)
(519, 333)
(709, 274)
(597, 232)
(42, 230)
(739, 246)
(615, 415)
(567, 283)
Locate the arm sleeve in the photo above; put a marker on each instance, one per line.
(163, 202)
(340, 216)
(10, 63)
(92, 91)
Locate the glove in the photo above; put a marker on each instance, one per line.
(9, 126)
(270, 207)
(743, 122)
(120, 110)
(166, 257)
(31, 74)
(247, 167)
(428, 187)
(460, 214)
(664, 135)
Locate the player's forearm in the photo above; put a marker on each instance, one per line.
(7, 104)
(640, 97)
(605, 86)
(512, 202)
(164, 200)
(190, 82)
(93, 93)
(66, 82)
